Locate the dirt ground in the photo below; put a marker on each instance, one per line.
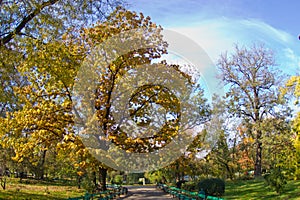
(145, 192)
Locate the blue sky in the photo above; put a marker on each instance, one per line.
(217, 24)
(281, 14)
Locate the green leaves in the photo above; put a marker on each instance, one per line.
(276, 180)
(48, 20)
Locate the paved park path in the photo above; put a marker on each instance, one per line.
(145, 192)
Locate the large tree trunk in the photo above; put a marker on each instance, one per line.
(102, 178)
(40, 170)
(258, 158)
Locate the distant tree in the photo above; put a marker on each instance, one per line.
(252, 89)
(222, 127)
(246, 152)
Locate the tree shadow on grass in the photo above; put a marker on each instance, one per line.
(52, 182)
(258, 189)
(18, 195)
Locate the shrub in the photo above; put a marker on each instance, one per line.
(248, 175)
(180, 183)
(118, 179)
(190, 186)
(88, 185)
(276, 180)
(212, 186)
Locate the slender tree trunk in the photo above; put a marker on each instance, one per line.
(3, 182)
(177, 173)
(79, 181)
(258, 157)
(182, 175)
(102, 178)
(230, 172)
(95, 179)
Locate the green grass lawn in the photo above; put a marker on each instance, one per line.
(31, 189)
(257, 189)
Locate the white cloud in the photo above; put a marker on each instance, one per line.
(292, 60)
(216, 36)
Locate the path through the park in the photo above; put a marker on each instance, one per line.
(146, 192)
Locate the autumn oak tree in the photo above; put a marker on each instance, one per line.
(252, 89)
(37, 70)
(146, 97)
(48, 60)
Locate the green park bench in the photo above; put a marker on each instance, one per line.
(203, 196)
(105, 195)
(185, 194)
(118, 189)
(213, 198)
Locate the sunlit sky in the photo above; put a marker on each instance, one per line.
(217, 24)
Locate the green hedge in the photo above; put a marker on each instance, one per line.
(212, 186)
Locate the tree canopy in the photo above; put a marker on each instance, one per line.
(253, 89)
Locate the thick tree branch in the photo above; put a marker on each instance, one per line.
(25, 21)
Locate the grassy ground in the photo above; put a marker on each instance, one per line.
(257, 189)
(30, 189)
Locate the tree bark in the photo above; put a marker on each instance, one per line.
(79, 181)
(3, 182)
(230, 173)
(102, 178)
(258, 157)
(177, 172)
(95, 179)
(40, 170)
